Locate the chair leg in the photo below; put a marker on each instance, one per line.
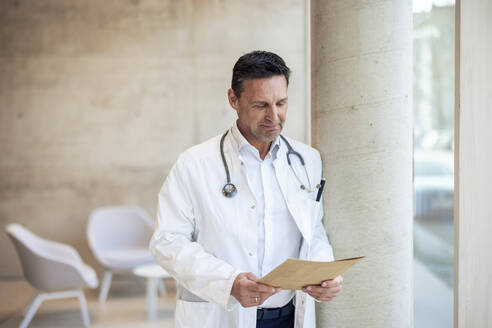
(83, 308)
(106, 283)
(56, 295)
(24, 312)
(162, 287)
(152, 298)
(32, 310)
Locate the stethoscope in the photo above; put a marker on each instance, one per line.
(229, 190)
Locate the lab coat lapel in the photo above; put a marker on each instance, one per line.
(293, 195)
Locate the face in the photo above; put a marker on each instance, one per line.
(261, 108)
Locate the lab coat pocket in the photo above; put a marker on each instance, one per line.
(196, 314)
(314, 211)
(305, 212)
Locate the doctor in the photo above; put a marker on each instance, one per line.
(236, 206)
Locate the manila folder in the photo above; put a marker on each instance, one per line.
(295, 274)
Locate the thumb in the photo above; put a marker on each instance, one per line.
(251, 276)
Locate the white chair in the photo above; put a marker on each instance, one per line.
(119, 237)
(54, 269)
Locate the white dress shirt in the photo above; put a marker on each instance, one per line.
(278, 235)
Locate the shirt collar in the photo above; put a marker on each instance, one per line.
(242, 143)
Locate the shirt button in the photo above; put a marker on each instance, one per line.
(253, 206)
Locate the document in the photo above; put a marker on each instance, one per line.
(295, 274)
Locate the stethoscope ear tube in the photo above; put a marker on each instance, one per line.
(229, 190)
(291, 151)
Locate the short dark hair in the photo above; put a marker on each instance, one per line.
(257, 65)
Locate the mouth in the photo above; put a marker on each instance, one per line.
(271, 128)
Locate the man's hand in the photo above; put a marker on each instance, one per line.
(248, 292)
(327, 291)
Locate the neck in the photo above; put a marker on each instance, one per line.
(262, 146)
(263, 149)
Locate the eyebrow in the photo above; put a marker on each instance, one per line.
(261, 102)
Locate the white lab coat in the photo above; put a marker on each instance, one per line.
(204, 239)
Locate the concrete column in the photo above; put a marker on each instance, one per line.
(473, 160)
(362, 125)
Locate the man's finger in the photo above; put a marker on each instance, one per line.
(321, 297)
(332, 283)
(250, 284)
(257, 300)
(253, 287)
(251, 276)
(265, 296)
(270, 293)
(322, 291)
(325, 299)
(260, 288)
(313, 292)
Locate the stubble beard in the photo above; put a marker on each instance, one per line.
(262, 134)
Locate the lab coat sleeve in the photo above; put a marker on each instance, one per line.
(174, 248)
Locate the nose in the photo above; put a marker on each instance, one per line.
(273, 113)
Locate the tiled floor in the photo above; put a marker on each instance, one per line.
(126, 307)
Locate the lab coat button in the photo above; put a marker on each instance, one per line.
(250, 254)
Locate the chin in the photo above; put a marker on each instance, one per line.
(268, 136)
(271, 137)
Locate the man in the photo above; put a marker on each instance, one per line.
(233, 208)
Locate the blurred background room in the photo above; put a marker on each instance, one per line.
(98, 99)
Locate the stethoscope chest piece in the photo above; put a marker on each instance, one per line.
(229, 190)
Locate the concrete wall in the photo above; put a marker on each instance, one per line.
(98, 98)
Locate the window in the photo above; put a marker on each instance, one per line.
(433, 107)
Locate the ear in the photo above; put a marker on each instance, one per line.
(233, 100)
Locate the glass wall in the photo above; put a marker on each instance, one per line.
(433, 108)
